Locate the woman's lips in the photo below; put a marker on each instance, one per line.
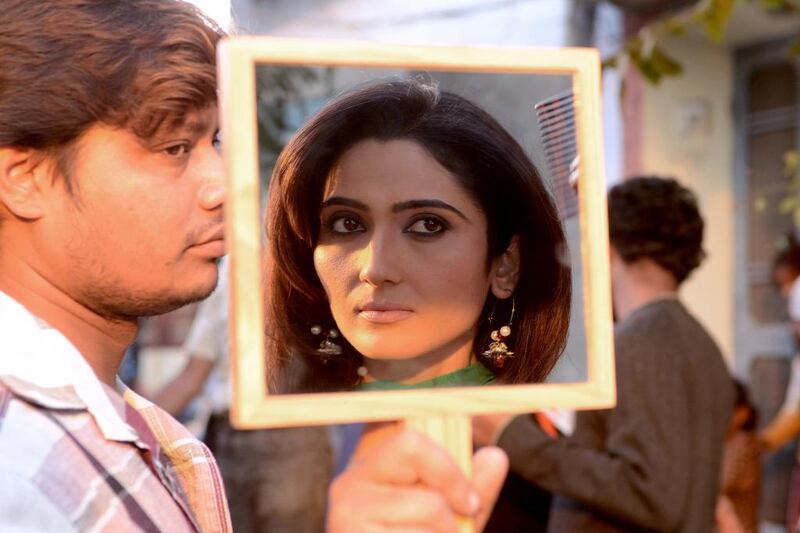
(384, 314)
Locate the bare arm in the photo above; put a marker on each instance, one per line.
(782, 429)
(177, 394)
(786, 424)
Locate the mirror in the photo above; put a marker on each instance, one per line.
(547, 100)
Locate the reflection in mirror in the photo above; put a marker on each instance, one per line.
(421, 227)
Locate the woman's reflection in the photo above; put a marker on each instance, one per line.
(412, 244)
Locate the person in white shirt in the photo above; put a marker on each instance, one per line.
(786, 276)
(785, 426)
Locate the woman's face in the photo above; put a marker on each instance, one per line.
(402, 256)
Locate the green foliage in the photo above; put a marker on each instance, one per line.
(787, 205)
(790, 203)
(643, 52)
(675, 27)
(778, 5)
(646, 52)
(656, 65)
(715, 18)
(794, 49)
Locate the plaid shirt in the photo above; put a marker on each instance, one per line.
(76, 455)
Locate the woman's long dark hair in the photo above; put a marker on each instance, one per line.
(491, 167)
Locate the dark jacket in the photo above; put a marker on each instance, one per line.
(653, 462)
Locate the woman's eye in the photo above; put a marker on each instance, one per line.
(346, 225)
(176, 150)
(216, 141)
(426, 226)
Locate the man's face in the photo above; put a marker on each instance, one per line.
(142, 233)
(783, 277)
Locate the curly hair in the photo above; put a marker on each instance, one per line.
(657, 218)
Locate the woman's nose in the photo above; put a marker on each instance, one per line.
(379, 264)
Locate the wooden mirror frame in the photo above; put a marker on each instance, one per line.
(251, 405)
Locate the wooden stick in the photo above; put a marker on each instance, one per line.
(454, 433)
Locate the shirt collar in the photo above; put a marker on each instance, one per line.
(41, 365)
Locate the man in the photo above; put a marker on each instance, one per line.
(111, 202)
(652, 462)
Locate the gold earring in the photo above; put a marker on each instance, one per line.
(327, 347)
(498, 350)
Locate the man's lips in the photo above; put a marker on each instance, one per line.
(212, 243)
(218, 234)
(383, 313)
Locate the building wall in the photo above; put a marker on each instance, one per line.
(687, 132)
(448, 22)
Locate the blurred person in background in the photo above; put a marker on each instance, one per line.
(785, 427)
(786, 277)
(652, 462)
(737, 507)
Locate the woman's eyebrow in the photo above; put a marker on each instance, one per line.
(416, 204)
(347, 202)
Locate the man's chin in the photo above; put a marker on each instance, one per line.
(130, 307)
(190, 296)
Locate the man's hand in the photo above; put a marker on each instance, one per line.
(410, 484)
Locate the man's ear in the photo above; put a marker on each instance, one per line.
(505, 270)
(22, 174)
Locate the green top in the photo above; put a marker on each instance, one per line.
(474, 374)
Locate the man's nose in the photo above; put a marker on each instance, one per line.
(213, 190)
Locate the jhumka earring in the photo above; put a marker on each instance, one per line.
(498, 350)
(327, 347)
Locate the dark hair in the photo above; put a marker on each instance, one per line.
(743, 400)
(69, 64)
(488, 163)
(789, 256)
(657, 218)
